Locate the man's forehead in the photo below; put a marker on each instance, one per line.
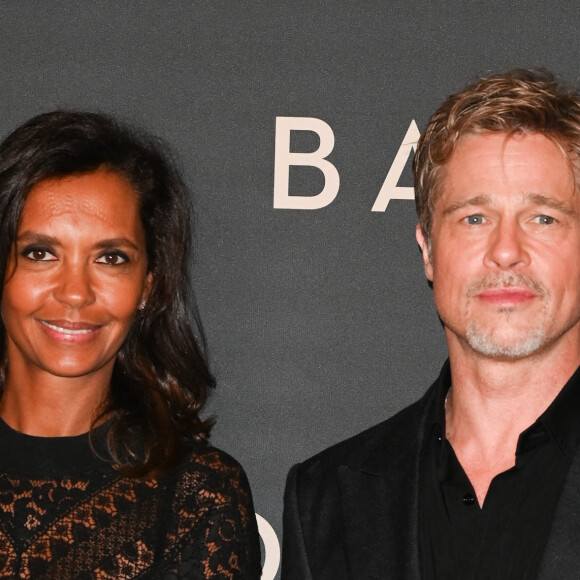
(498, 168)
(489, 156)
(545, 144)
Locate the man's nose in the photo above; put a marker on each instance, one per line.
(507, 246)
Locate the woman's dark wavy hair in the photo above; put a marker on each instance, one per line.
(161, 378)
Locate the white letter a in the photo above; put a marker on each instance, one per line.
(390, 190)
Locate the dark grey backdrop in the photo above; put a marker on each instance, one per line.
(319, 322)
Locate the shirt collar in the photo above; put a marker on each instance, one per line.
(560, 421)
(437, 416)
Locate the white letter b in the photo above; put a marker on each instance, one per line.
(283, 159)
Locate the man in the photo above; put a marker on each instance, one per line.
(481, 477)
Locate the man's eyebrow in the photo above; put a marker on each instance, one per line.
(540, 199)
(477, 200)
(530, 198)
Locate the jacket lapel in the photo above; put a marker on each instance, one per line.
(380, 523)
(380, 498)
(379, 494)
(561, 560)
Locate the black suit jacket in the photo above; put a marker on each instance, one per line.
(351, 512)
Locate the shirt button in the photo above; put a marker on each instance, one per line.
(468, 499)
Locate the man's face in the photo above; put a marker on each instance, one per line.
(505, 248)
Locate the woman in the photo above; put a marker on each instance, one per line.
(105, 469)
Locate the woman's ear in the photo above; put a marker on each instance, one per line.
(146, 291)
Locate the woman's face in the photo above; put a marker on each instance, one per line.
(81, 272)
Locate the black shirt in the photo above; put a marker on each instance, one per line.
(505, 538)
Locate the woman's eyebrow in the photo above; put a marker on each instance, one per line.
(30, 236)
(117, 242)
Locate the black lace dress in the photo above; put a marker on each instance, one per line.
(66, 514)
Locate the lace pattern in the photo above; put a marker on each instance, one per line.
(196, 523)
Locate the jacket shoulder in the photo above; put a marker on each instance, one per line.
(399, 431)
(316, 490)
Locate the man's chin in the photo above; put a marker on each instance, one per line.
(505, 348)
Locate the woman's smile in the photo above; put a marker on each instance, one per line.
(70, 331)
(72, 292)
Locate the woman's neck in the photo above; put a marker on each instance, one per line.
(53, 407)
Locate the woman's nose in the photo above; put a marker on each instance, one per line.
(74, 285)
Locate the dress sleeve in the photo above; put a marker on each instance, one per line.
(216, 521)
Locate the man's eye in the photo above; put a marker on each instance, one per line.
(112, 258)
(38, 255)
(475, 220)
(545, 220)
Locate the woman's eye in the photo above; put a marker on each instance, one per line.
(38, 255)
(112, 258)
(475, 220)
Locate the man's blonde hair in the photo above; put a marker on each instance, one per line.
(519, 101)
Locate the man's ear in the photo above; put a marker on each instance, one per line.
(426, 251)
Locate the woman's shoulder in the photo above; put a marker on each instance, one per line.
(213, 474)
(211, 485)
(203, 454)
(212, 506)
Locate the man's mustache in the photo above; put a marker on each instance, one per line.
(507, 280)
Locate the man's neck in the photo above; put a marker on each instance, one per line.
(491, 402)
